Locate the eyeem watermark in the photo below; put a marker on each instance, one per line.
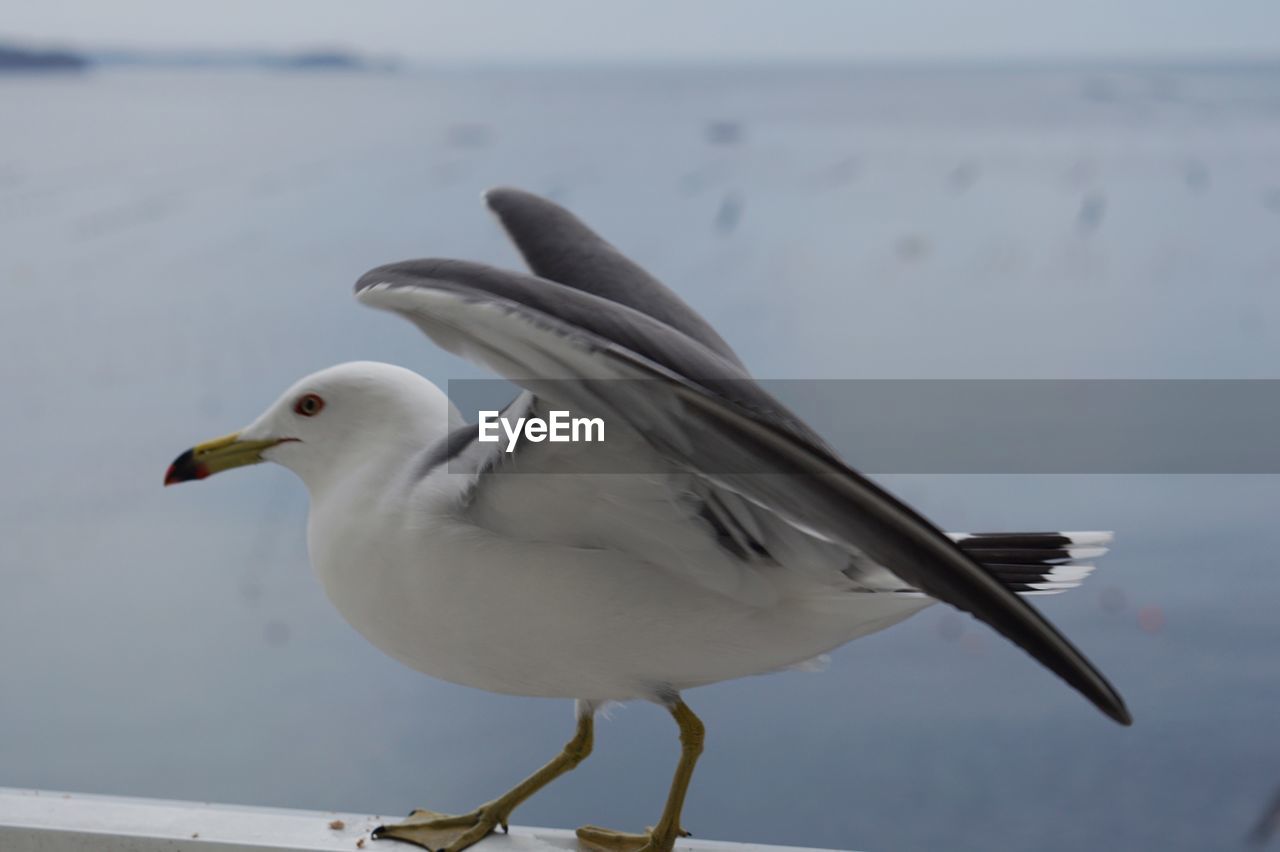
(927, 426)
(559, 427)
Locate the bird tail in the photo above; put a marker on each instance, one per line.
(1036, 563)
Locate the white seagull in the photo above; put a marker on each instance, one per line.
(712, 535)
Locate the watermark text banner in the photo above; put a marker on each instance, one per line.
(1137, 426)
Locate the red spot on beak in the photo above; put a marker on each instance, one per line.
(184, 469)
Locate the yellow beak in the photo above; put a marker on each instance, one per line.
(216, 456)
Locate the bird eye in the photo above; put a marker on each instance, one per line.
(309, 405)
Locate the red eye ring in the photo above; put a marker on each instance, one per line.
(308, 405)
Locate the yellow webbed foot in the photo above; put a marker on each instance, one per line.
(442, 832)
(608, 840)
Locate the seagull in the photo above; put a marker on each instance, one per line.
(711, 536)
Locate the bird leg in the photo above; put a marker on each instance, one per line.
(662, 837)
(445, 833)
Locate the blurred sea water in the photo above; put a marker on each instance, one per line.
(178, 247)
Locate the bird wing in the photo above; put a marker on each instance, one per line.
(699, 410)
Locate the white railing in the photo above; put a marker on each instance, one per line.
(43, 821)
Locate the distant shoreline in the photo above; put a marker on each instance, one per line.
(18, 58)
(13, 58)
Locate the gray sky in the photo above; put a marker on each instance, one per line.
(574, 30)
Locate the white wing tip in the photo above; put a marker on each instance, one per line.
(1094, 538)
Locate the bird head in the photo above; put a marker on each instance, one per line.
(348, 415)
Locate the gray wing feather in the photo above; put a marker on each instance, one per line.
(603, 319)
(525, 329)
(558, 246)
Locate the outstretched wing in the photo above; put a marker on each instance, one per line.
(701, 411)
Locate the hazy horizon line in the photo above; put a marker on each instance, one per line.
(416, 61)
